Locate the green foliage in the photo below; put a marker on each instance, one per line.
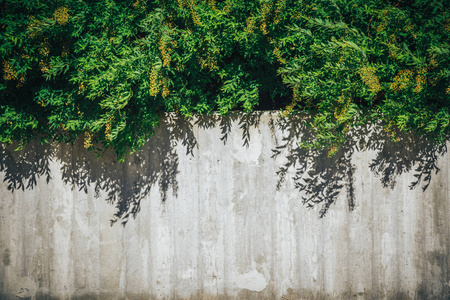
(108, 69)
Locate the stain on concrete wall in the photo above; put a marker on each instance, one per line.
(6, 258)
(227, 208)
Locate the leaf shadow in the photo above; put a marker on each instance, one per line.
(123, 185)
(320, 178)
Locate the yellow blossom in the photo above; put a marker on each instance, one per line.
(333, 150)
(9, 72)
(279, 56)
(108, 131)
(62, 15)
(295, 98)
(87, 140)
(265, 12)
(43, 66)
(370, 79)
(165, 52)
(402, 80)
(154, 82)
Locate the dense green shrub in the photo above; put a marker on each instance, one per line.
(109, 69)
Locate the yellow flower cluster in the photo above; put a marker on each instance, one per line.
(263, 28)
(370, 79)
(295, 94)
(295, 98)
(21, 81)
(44, 50)
(32, 28)
(62, 15)
(154, 82)
(165, 52)
(87, 140)
(447, 90)
(402, 80)
(165, 89)
(212, 4)
(279, 8)
(265, 12)
(136, 4)
(194, 14)
(341, 108)
(279, 56)
(108, 131)
(433, 61)
(410, 27)
(9, 72)
(420, 80)
(81, 88)
(208, 62)
(43, 66)
(392, 46)
(383, 25)
(333, 149)
(392, 52)
(250, 25)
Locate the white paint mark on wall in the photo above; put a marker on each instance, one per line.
(253, 281)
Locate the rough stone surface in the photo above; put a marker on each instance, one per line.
(227, 208)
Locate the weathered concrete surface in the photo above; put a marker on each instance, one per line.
(218, 209)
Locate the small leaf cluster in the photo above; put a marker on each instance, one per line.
(108, 70)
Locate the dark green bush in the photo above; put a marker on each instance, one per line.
(108, 69)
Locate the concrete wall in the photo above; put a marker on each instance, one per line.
(227, 208)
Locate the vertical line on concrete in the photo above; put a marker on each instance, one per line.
(147, 239)
(402, 268)
(173, 233)
(99, 241)
(321, 259)
(349, 224)
(200, 291)
(446, 292)
(424, 265)
(273, 221)
(124, 269)
(374, 287)
(71, 260)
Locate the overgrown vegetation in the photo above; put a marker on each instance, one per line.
(108, 69)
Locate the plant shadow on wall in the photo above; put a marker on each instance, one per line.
(321, 178)
(244, 121)
(126, 184)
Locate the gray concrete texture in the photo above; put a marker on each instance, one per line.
(227, 208)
